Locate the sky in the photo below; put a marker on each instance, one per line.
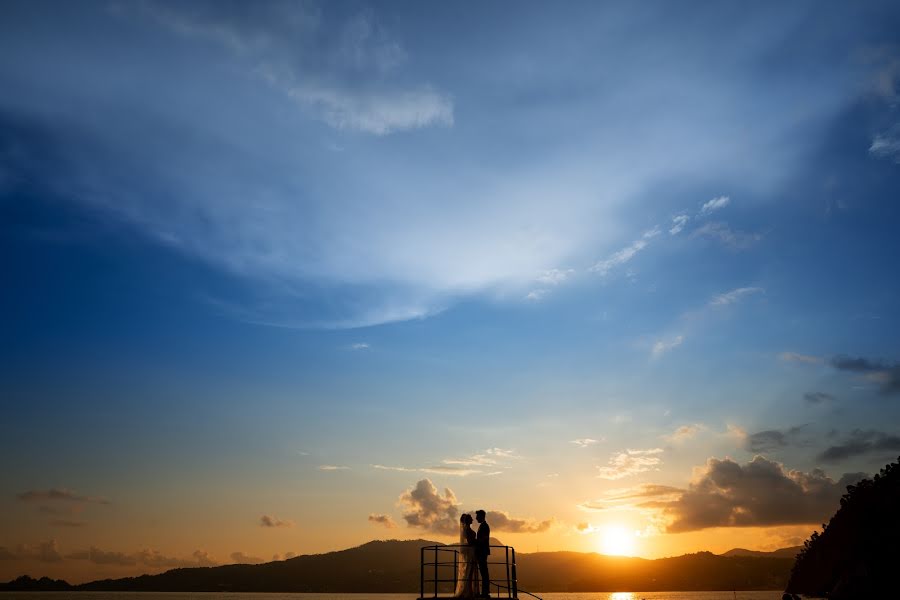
(285, 277)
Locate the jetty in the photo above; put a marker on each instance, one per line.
(439, 570)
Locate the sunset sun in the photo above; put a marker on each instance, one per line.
(617, 541)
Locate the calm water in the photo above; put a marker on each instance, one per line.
(771, 595)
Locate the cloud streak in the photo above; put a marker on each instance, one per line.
(734, 296)
(717, 203)
(862, 443)
(886, 375)
(384, 520)
(59, 495)
(270, 521)
(631, 462)
(625, 255)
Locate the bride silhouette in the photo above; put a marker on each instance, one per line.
(465, 573)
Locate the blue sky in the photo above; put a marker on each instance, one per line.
(241, 243)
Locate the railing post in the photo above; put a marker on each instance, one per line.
(508, 582)
(422, 572)
(435, 571)
(455, 570)
(515, 584)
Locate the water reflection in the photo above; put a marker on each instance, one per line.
(621, 596)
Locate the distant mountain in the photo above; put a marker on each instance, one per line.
(29, 584)
(789, 552)
(856, 554)
(393, 566)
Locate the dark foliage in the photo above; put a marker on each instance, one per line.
(856, 553)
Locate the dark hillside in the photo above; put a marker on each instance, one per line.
(856, 554)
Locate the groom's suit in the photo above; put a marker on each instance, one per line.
(482, 551)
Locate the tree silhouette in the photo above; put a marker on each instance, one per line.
(855, 556)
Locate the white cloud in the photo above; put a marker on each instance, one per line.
(685, 432)
(268, 38)
(389, 229)
(585, 442)
(554, 276)
(333, 468)
(678, 224)
(462, 467)
(663, 346)
(715, 204)
(536, 295)
(631, 462)
(738, 240)
(624, 255)
(734, 296)
(887, 144)
(359, 346)
(452, 470)
(379, 113)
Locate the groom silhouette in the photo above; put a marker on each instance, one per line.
(482, 551)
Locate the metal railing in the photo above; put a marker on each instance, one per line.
(433, 574)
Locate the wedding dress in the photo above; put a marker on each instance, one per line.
(465, 571)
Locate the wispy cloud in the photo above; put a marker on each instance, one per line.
(624, 255)
(264, 39)
(631, 462)
(715, 204)
(147, 557)
(452, 470)
(886, 375)
(818, 397)
(734, 295)
(383, 520)
(887, 144)
(678, 224)
(474, 464)
(863, 443)
(58, 495)
(585, 442)
(359, 346)
(685, 432)
(632, 496)
(800, 358)
(333, 468)
(737, 240)
(773, 439)
(554, 276)
(270, 521)
(663, 346)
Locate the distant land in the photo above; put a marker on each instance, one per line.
(790, 552)
(393, 566)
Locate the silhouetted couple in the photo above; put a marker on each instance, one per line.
(474, 549)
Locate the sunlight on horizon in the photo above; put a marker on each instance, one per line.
(616, 540)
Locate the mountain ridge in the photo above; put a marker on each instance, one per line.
(393, 566)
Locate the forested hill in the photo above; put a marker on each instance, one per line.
(856, 554)
(393, 566)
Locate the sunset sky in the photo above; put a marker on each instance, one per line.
(285, 277)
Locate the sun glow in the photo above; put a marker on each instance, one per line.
(618, 541)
